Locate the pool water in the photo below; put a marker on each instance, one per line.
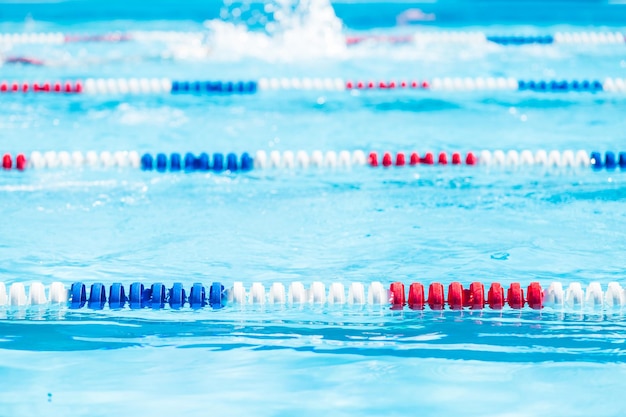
(426, 223)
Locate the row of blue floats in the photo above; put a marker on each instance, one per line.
(157, 296)
(214, 87)
(556, 86)
(610, 161)
(201, 162)
(521, 40)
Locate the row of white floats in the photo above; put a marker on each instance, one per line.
(63, 159)
(541, 157)
(127, 86)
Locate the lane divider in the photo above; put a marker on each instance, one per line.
(233, 162)
(464, 37)
(168, 86)
(112, 37)
(397, 296)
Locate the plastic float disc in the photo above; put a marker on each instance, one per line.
(495, 296)
(515, 296)
(397, 298)
(416, 296)
(435, 296)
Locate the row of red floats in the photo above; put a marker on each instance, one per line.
(361, 85)
(414, 159)
(473, 297)
(45, 87)
(354, 40)
(109, 37)
(20, 162)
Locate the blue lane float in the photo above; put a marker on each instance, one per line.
(158, 296)
(216, 295)
(97, 296)
(197, 296)
(177, 296)
(161, 162)
(117, 296)
(78, 295)
(138, 295)
(175, 162)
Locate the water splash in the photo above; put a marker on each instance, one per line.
(283, 30)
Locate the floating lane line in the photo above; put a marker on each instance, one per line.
(289, 160)
(105, 86)
(397, 296)
(425, 37)
(475, 37)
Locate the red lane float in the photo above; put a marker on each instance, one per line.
(416, 296)
(373, 159)
(534, 296)
(515, 296)
(6, 161)
(495, 296)
(397, 296)
(477, 296)
(455, 296)
(436, 299)
(387, 160)
(20, 162)
(428, 159)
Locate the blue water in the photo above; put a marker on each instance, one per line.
(425, 224)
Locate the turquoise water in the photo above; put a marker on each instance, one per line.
(424, 224)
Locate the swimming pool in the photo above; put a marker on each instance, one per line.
(102, 223)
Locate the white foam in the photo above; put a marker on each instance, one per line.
(298, 30)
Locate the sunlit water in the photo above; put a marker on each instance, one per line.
(424, 224)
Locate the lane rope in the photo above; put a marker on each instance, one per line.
(414, 296)
(233, 162)
(112, 37)
(168, 86)
(462, 37)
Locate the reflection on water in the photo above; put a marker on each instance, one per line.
(522, 336)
